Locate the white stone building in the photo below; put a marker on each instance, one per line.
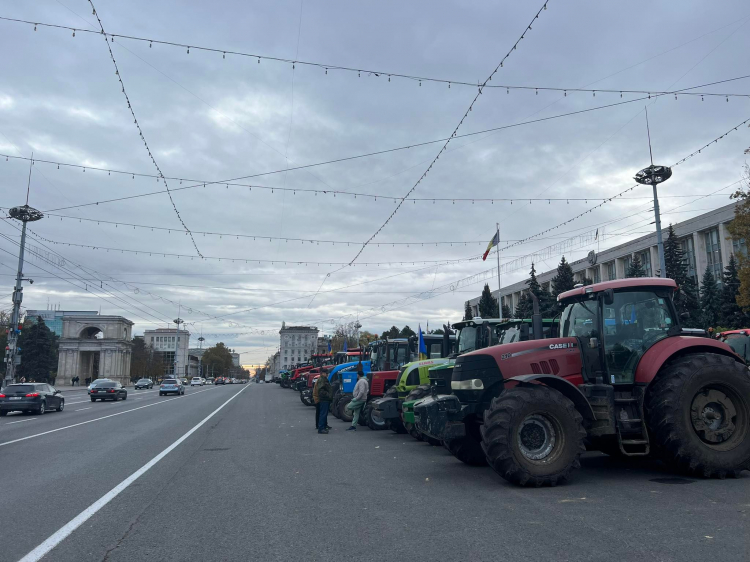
(704, 239)
(174, 346)
(298, 344)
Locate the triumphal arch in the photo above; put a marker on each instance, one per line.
(93, 347)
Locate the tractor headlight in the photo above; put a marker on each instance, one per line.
(470, 384)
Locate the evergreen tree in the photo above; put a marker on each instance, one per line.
(731, 315)
(635, 269)
(406, 332)
(487, 303)
(467, 312)
(739, 228)
(710, 299)
(525, 307)
(392, 333)
(564, 280)
(686, 296)
(507, 312)
(38, 352)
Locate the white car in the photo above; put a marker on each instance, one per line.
(196, 381)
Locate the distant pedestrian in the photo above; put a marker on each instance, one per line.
(23, 379)
(710, 332)
(323, 394)
(359, 399)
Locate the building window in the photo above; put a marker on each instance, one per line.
(739, 247)
(645, 258)
(713, 253)
(626, 263)
(597, 275)
(688, 250)
(611, 271)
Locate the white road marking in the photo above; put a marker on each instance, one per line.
(98, 419)
(82, 409)
(64, 531)
(21, 421)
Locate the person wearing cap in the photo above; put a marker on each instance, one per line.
(359, 398)
(711, 332)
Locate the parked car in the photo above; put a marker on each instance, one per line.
(34, 398)
(196, 381)
(144, 383)
(107, 390)
(169, 386)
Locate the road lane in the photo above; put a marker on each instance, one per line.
(56, 476)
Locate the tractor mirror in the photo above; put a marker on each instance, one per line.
(524, 329)
(609, 296)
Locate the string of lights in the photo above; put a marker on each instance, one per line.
(367, 72)
(197, 183)
(415, 243)
(455, 132)
(681, 161)
(138, 126)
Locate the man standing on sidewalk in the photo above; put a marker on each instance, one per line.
(359, 398)
(324, 393)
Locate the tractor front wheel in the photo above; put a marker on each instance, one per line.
(422, 391)
(335, 403)
(344, 414)
(533, 436)
(373, 419)
(698, 415)
(468, 449)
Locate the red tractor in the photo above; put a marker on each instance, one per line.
(623, 378)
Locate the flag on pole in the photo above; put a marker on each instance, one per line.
(329, 347)
(596, 237)
(494, 242)
(422, 346)
(346, 348)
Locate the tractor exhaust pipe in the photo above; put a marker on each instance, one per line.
(447, 332)
(536, 318)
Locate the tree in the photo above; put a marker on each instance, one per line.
(406, 332)
(710, 299)
(731, 315)
(38, 352)
(686, 296)
(635, 269)
(438, 332)
(507, 312)
(739, 228)
(487, 303)
(525, 306)
(4, 327)
(366, 337)
(467, 312)
(392, 333)
(563, 280)
(217, 360)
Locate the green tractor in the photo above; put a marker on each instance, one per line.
(472, 335)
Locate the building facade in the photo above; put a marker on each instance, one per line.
(173, 344)
(54, 318)
(704, 239)
(298, 344)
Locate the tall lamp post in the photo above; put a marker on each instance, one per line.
(25, 214)
(200, 356)
(177, 321)
(653, 176)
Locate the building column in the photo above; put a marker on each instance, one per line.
(725, 241)
(701, 261)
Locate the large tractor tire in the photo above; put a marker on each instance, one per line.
(335, 404)
(392, 392)
(698, 414)
(344, 414)
(306, 398)
(372, 419)
(468, 449)
(533, 436)
(422, 391)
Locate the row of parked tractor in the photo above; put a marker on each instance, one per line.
(615, 371)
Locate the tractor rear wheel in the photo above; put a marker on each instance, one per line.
(698, 415)
(335, 404)
(396, 425)
(306, 398)
(344, 414)
(533, 436)
(422, 391)
(468, 449)
(372, 418)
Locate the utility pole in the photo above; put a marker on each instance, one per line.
(177, 321)
(499, 286)
(200, 355)
(654, 175)
(25, 214)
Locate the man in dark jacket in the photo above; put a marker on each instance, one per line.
(325, 395)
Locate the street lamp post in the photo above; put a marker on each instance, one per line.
(200, 355)
(653, 176)
(177, 321)
(25, 214)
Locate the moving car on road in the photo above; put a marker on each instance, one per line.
(34, 398)
(219, 380)
(196, 381)
(107, 390)
(144, 383)
(171, 386)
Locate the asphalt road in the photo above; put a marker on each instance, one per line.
(256, 482)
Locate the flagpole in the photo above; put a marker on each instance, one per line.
(499, 286)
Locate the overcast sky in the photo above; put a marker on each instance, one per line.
(209, 117)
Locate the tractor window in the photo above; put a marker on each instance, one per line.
(403, 354)
(467, 339)
(435, 351)
(509, 335)
(412, 379)
(634, 322)
(579, 320)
